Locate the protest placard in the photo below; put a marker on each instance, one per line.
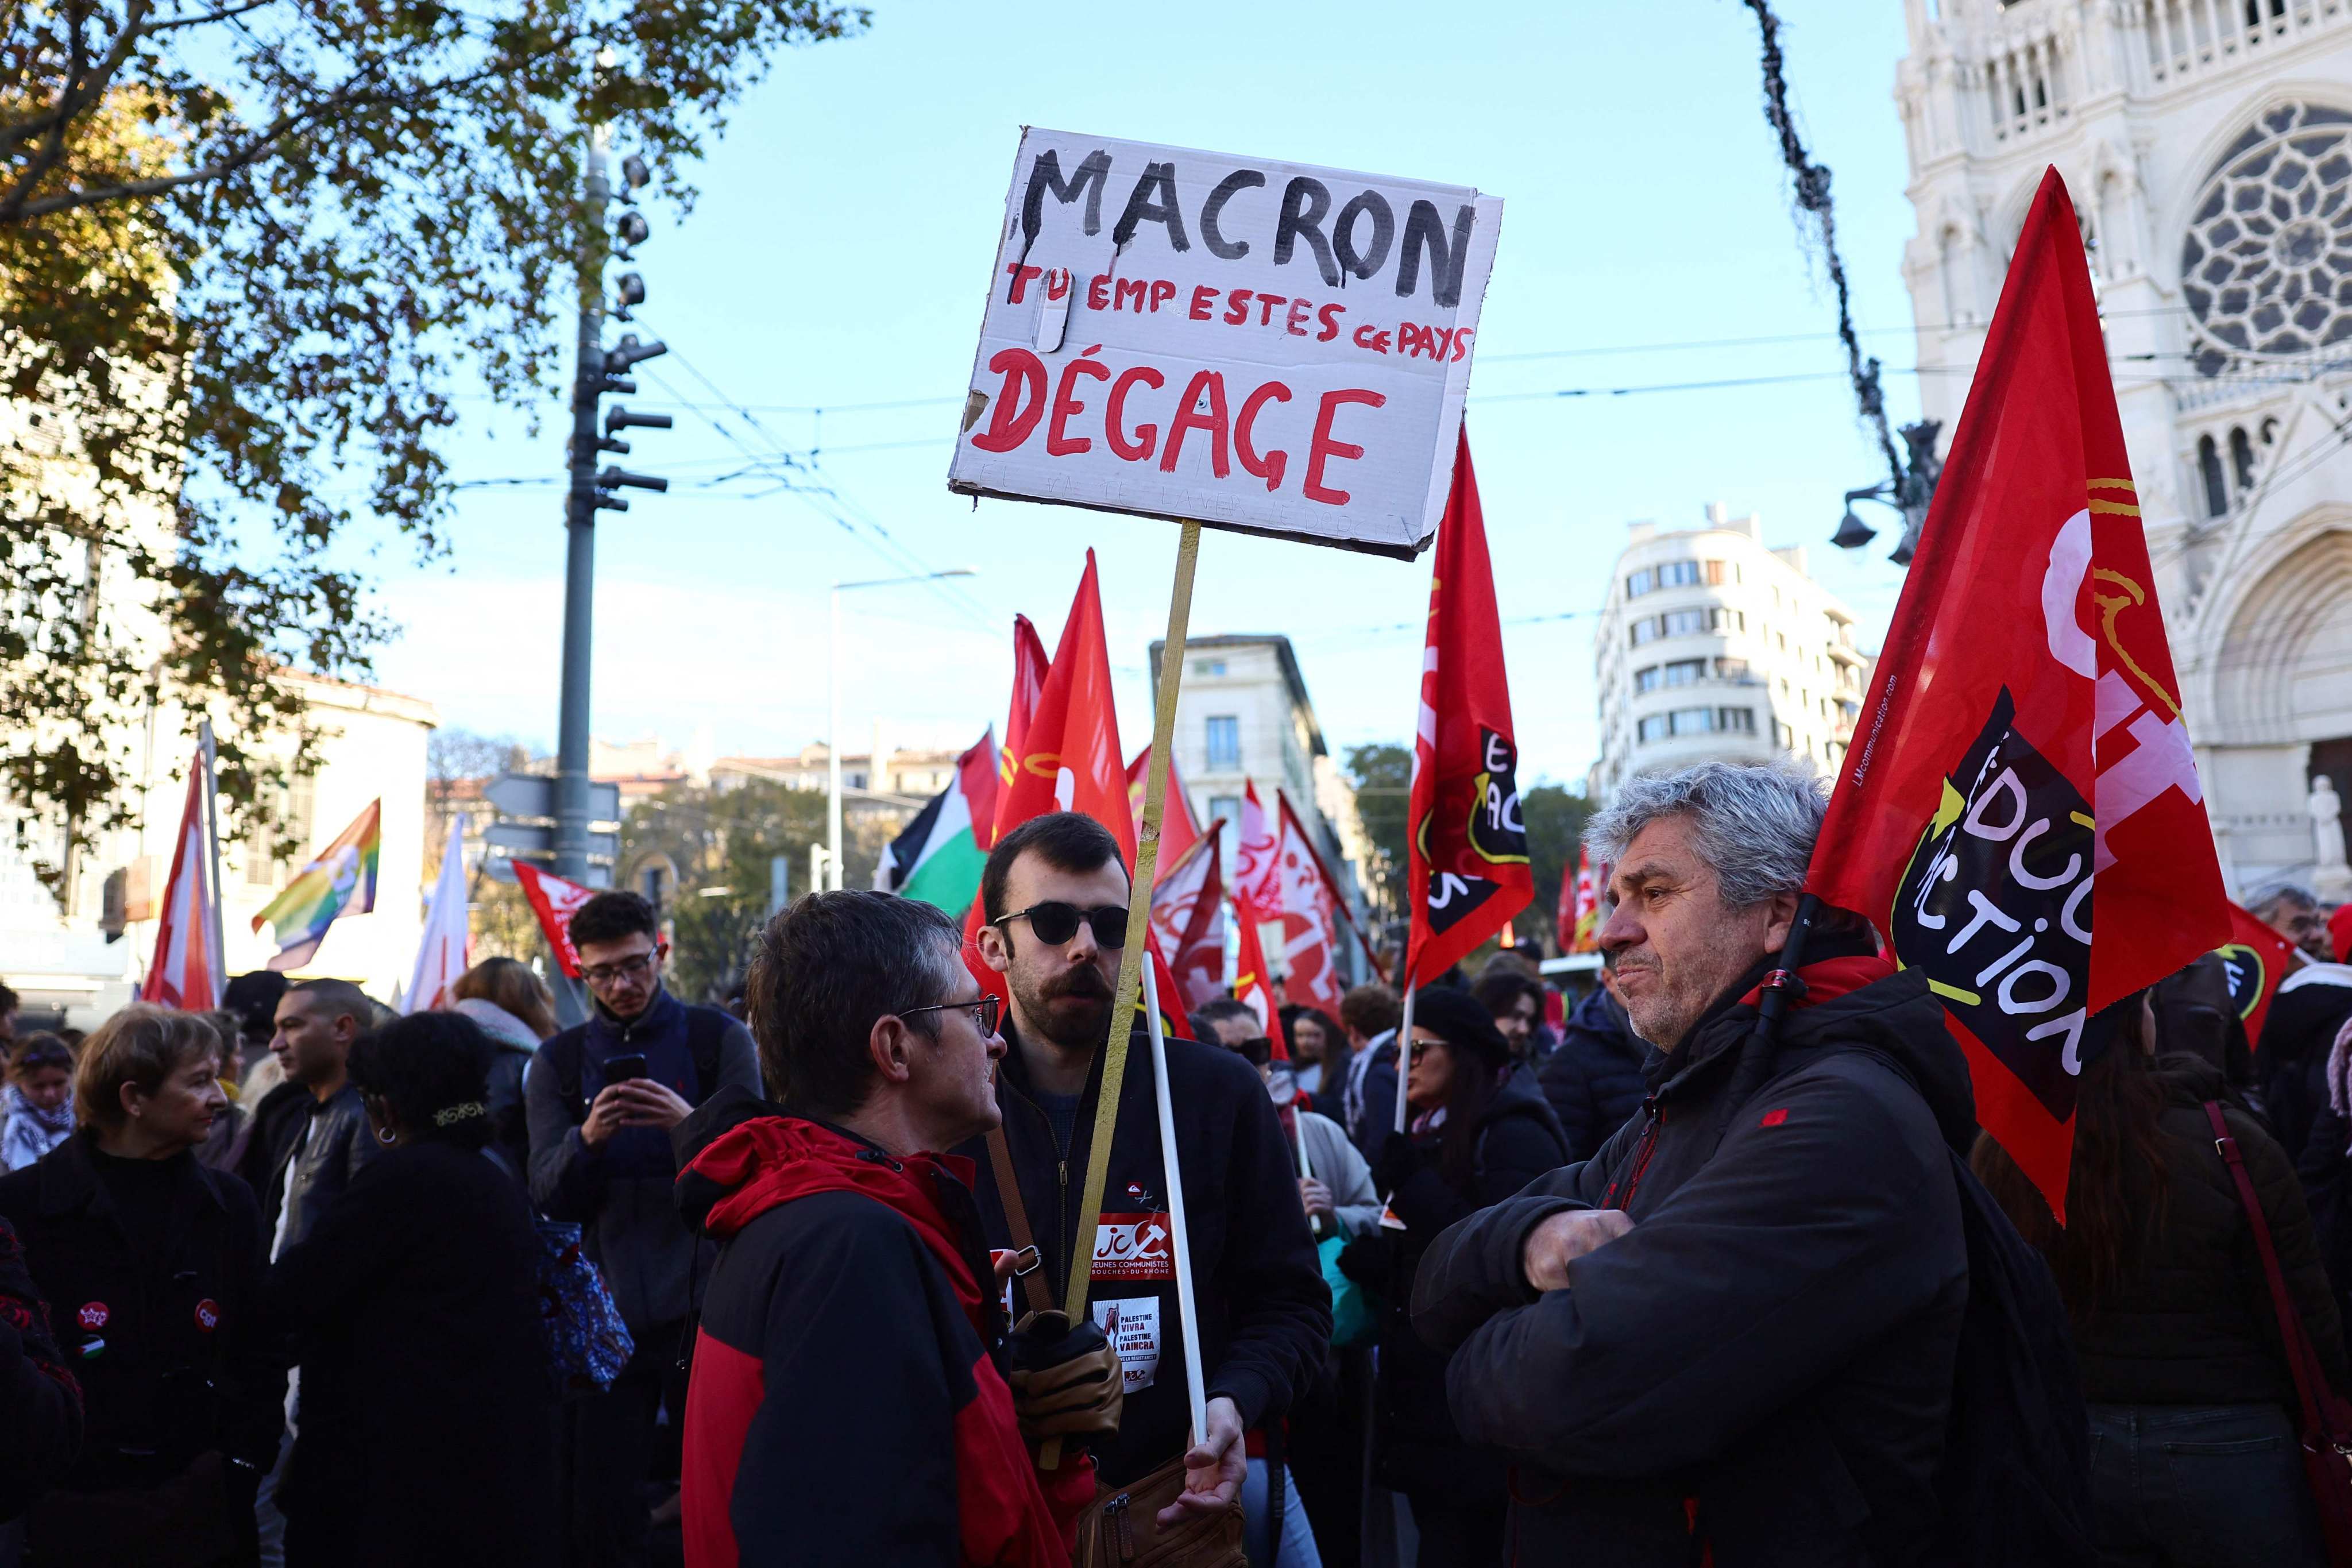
(1239, 343)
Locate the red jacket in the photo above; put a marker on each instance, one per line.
(845, 1407)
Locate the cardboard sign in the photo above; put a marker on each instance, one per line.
(1234, 341)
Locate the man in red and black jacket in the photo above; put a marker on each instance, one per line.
(847, 1405)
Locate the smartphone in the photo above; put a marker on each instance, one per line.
(629, 1065)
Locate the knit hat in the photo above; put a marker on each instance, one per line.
(1456, 1017)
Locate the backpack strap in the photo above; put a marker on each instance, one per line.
(704, 1027)
(562, 1054)
(1028, 1262)
(2302, 1359)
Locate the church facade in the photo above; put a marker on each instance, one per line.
(2207, 145)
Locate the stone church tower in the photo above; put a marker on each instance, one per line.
(2208, 147)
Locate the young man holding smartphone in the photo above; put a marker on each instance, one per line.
(603, 1098)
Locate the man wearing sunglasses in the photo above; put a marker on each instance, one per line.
(1054, 897)
(850, 1403)
(601, 1098)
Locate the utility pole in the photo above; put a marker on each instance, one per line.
(590, 492)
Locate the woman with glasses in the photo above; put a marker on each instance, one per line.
(428, 1419)
(1479, 1132)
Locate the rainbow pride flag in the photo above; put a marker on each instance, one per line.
(339, 880)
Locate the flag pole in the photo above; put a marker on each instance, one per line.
(1131, 966)
(219, 966)
(1187, 1318)
(1404, 1051)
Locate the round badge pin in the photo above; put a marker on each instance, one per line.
(208, 1314)
(92, 1316)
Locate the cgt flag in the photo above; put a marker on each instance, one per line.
(1580, 908)
(1467, 863)
(2256, 959)
(1188, 921)
(2024, 736)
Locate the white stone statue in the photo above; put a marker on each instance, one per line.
(2327, 808)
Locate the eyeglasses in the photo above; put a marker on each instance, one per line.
(1259, 1051)
(632, 968)
(1057, 924)
(984, 1011)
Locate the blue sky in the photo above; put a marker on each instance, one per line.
(838, 256)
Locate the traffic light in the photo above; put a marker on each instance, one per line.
(604, 370)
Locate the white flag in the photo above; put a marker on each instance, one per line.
(441, 953)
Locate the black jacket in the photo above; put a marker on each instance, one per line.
(322, 1166)
(1775, 1337)
(1417, 1449)
(1375, 1120)
(1594, 1079)
(175, 1352)
(428, 1427)
(2291, 1057)
(278, 1119)
(40, 1403)
(2192, 1322)
(1265, 1313)
(620, 1195)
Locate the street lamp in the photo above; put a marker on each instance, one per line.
(1910, 499)
(832, 728)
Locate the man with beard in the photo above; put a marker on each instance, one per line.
(1054, 894)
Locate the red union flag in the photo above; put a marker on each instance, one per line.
(1580, 908)
(2023, 737)
(1467, 873)
(187, 971)
(1258, 869)
(1188, 922)
(1311, 905)
(1252, 982)
(1178, 831)
(2255, 959)
(554, 901)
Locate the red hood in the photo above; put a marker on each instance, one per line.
(1832, 977)
(770, 1161)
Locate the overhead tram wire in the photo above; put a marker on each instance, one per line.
(880, 541)
(906, 559)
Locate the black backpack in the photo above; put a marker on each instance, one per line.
(2015, 1482)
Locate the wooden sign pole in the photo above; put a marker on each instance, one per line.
(1130, 960)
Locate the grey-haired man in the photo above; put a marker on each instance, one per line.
(1752, 1295)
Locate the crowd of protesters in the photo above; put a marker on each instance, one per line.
(298, 1281)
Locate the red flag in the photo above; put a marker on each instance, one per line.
(1178, 831)
(1067, 750)
(2339, 926)
(1188, 919)
(1070, 756)
(1029, 670)
(554, 901)
(2024, 736)
(1173, 1024)
(186, 972)
(1580, 908)
(2256, 959)
(1257, 871)
(1252, 982)
(1467, 869)
(1310, 918)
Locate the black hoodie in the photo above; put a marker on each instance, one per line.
(1266, 1313)
(1775, 1338)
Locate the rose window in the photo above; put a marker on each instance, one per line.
(2266, 269)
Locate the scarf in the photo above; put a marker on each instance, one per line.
(32, 1131)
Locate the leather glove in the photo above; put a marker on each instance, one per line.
(1066, 1381)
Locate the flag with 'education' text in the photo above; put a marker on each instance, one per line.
(2023, 739)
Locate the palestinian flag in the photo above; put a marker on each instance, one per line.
(938, 859)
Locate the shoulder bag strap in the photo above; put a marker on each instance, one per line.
(2302, 1359)
(1028, 1263)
